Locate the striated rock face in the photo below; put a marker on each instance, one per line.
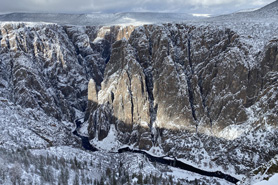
(40, 70)
(162, 78)
(47, 66)
(125, 92)
(267, 97)
(199, 93)
(195, 92)
(44, 72)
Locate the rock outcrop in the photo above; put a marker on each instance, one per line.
(48, 66)
(43, 70)
(195, 92)
(180, 87)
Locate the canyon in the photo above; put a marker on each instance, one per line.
(204, 92)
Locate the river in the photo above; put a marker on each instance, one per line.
(162, 160)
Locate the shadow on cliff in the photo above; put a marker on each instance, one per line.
(102, 132)
(100, 118)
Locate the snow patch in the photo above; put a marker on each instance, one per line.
(232, 132)
(201, 15)
(272, 181)
(110, 143)
(156, 151)
(84, 129)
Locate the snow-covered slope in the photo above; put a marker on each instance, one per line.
(268, 13)
(271, 181)
(98, 18)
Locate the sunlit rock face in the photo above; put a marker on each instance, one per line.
(175, 77)
(193, 92)
(48, 66)
(179, 87)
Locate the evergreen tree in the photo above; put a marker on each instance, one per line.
(63, 177)
(196, 182)
(146, 180)
(114, 180)
(171, 179)
(83, 180)
(140, 178)
(154, 179)
(101, 182)
(48, 175)
(15, 173)
(76, 179)
(108, 172)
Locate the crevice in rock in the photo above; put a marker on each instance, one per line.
(18, 44)
(112, 96)
(149, 84)
(189, 52)
(191, 97)
(189, 77)
(12, 79)
(50, 143)
(150, 47)
(249, 74)
(203, 96)
(226, 45)
(95, 124)
(131, 96)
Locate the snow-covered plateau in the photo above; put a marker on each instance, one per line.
(197, 90)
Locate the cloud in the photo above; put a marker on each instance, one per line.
(88, 6)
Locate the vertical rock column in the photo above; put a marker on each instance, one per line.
(92, 98)
(92, 91)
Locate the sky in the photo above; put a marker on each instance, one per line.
(214, 7)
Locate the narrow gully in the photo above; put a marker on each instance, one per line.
(162, 160)
(85, 140)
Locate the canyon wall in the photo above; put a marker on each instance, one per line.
(193, 92)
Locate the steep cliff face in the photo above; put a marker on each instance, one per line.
(192, 78)
(42, 69)
(48, 66)
(195, 92)
(44, 72)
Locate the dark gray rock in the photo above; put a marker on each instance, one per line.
(185, 88)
